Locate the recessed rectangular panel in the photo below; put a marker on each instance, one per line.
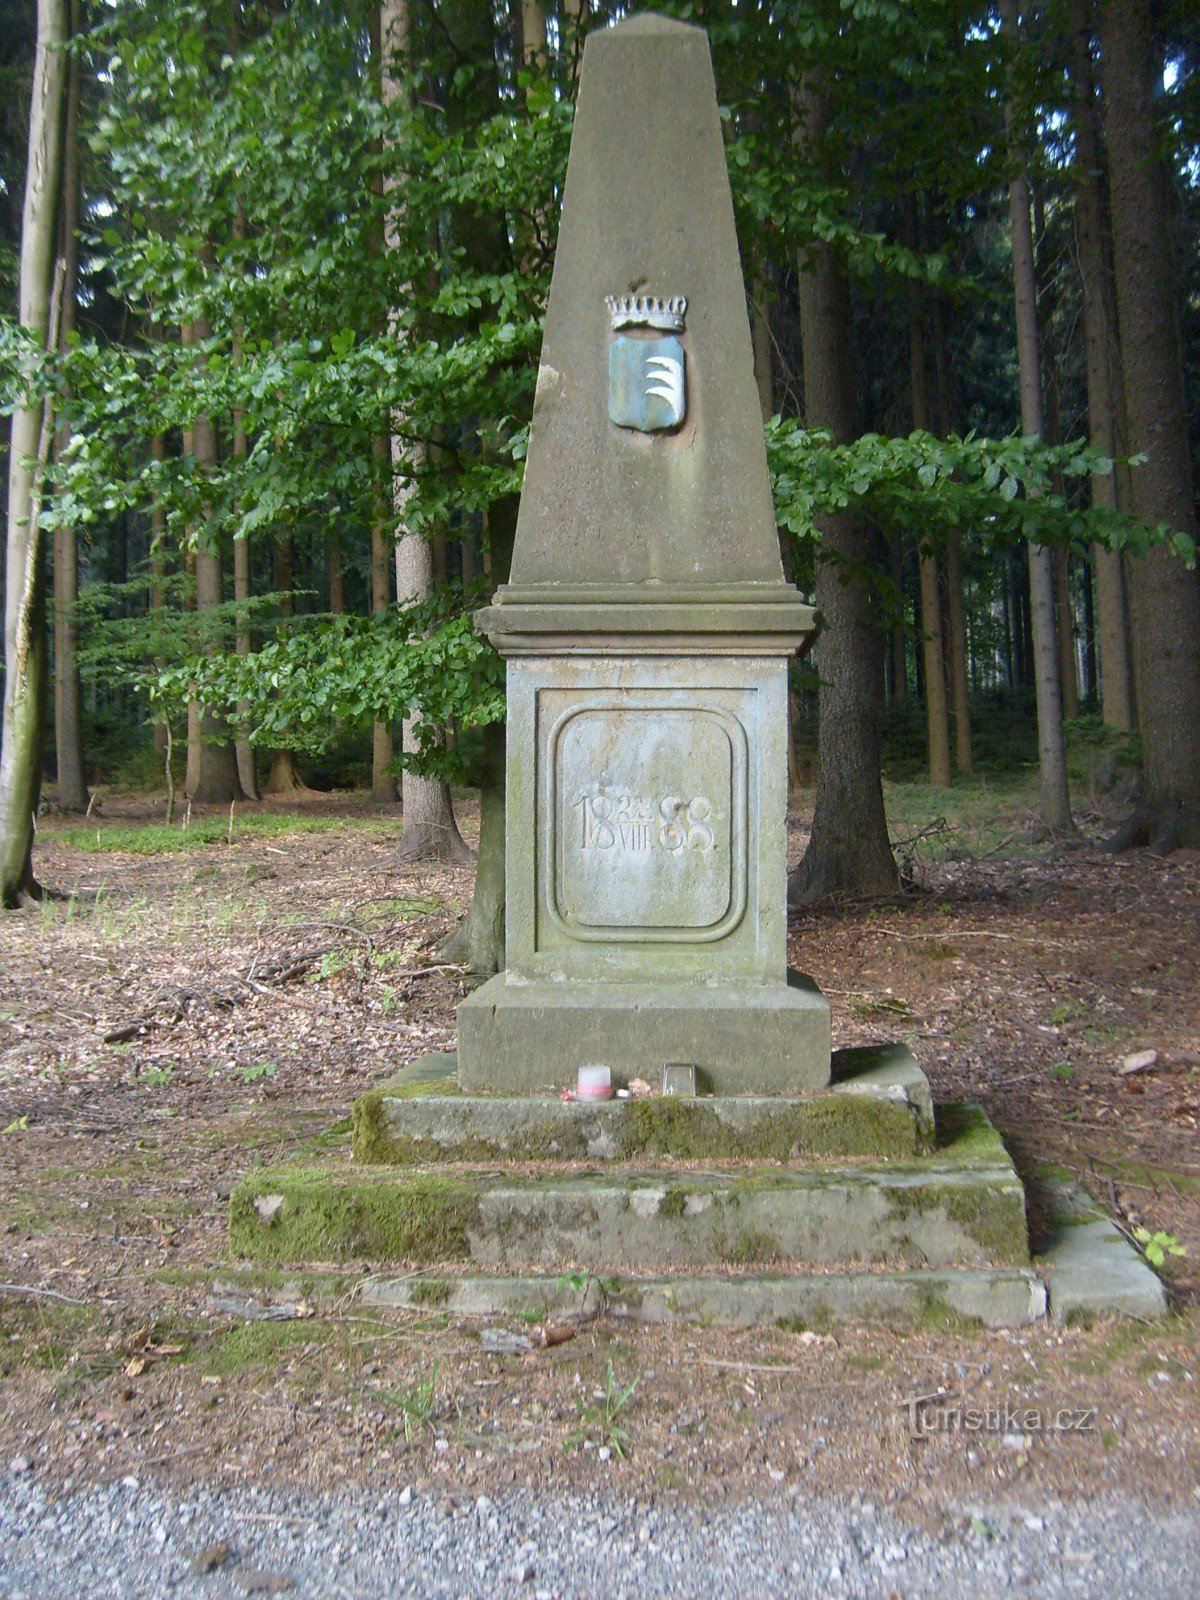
(649, 816)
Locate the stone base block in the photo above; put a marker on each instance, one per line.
(991, 1298)
(528, 1038)
(1092, 1269)
(878, 1106)
(961, 1206)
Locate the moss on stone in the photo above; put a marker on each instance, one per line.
(965, 1136)
(749, 1247)
(991, 1216)
(674, 1202)
(327, 1214)
(429, 1292)
(824, 1125)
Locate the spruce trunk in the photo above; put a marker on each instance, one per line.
(1052, 755)
(848, 853)
(1165, 595)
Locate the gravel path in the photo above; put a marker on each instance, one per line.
(133, 1539)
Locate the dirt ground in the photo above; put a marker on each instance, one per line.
(187, 1015)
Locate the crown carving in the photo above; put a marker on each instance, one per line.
(647, 311)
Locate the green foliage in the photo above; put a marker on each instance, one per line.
(417, 1403)
(255, 1072)
(1157, 1246)
(601, 1417)
(425, 658)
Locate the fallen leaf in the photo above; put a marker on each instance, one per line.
(211, 1557)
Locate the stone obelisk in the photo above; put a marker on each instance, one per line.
(647, 627)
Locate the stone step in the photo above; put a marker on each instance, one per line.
(961, 1206)
(999, 1297)
(878, 1105)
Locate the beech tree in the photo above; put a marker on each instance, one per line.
(40, 305)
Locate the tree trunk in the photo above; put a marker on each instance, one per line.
(848, 853)
(1165, 595)
(39, 295)
(72, 790)
(1105, 384)
(283, 778)
(760, 326)
(937, 720)
(383, 780)
(1052, 755)
(158, 573)
(960, 685)
(430, 831)
(212, 760)
(479, 941)
(1064, 628)
(899, 652)
(955, 608)
(243, 749)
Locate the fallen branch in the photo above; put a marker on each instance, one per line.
(41, 1294)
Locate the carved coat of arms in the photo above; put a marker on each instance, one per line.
(647, 376)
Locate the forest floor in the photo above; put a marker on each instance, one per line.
(190, 1012)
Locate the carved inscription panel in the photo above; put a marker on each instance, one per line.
(648, 809)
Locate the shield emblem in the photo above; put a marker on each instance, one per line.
(647, 383)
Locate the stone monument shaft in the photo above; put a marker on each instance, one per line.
(647, 628)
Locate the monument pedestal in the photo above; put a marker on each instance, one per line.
(530, 1038)
(646, 850)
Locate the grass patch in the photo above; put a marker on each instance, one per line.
(260, 1344)
(153, 838)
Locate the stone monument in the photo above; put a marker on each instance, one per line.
(647, 627)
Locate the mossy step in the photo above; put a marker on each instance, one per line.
(878, 1106)
(954, 1300)
(954, 1208)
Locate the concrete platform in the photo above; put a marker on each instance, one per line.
(878, 1106)
(1004, 1298)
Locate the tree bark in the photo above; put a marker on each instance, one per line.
(760, 327)
(937, 719)
(158, 573)
(1064, 628)
(212, 760)
(283, 778)
(244, 644)
(848, 853)
(430, 831)
(1165, 595)
(39, 294)
(960, 691)
(1105, 384)
(71, 788)
(383, 779)
(1052, 755)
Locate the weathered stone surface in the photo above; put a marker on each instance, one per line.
(1091, 1268)
(645, 821)
(963, 1205)
(743, 1039)
(889, 1071)
(992, 1298)
(647, 626)
(882, 1111)
(646, 208)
